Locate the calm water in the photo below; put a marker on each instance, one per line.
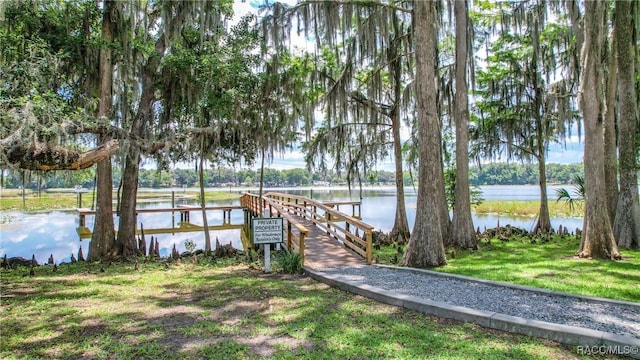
(54, 232)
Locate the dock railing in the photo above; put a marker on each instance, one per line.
(294, 232)
(184, 225)
(326, 217)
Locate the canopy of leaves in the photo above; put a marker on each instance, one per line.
(527, 84)
(44, 60)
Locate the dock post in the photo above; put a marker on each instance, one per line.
(301, 247)
(369, 256)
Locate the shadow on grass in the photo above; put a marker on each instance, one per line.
(196, 311)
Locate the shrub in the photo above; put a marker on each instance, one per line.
(290, 262)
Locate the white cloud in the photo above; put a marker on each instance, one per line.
(570, 152)
(290, 160)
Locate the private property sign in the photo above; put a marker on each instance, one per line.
(267, 230)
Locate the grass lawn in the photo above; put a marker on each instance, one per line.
(550, 265)
(54, 199)
(226, 311)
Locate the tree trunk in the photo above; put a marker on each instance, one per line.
(463, 234)
(128, 202)
(261, 182)
(203, 202)
(103, 237)
(597, 240)
(440, 192)
(400, 231)
(626, 226)
(544, 220)
(610, 163)
(425, 248)
(130, 173)
(128, 217)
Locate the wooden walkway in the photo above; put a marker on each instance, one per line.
(323, 251)
(325, 236)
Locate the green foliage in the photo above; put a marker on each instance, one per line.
(50, 180)
(521, 106)
(290, 262)
(578, 193)
(487, 174)
(450, 189)
(501, 173)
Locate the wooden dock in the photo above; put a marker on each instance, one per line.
(319, 231)
(184, 225)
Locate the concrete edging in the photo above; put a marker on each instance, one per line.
(566, 334)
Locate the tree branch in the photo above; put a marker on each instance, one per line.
(45, 158)
(361, 99)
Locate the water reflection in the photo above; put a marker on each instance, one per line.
(54, 232)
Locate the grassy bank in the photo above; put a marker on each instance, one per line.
(551, 265)
(54, 199)
(526, 208)
(194, 311)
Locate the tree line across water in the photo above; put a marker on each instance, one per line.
(487, 174)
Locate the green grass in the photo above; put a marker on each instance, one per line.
(229, 311)
(550, 265)
(526, 208)
(54, 199)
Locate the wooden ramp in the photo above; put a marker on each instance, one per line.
(323, 251)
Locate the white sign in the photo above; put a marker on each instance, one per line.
(267, 230)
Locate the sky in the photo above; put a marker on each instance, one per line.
(569, 152)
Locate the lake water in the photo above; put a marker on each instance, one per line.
(54, 232)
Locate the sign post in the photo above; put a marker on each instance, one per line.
(267, 231)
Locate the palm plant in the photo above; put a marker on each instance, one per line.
(578, 193)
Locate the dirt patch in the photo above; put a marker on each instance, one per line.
(265, 346)
(173, 317)
(92, 327)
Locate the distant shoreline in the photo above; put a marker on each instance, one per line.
(515, 200)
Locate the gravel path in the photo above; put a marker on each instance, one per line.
(608, 317)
